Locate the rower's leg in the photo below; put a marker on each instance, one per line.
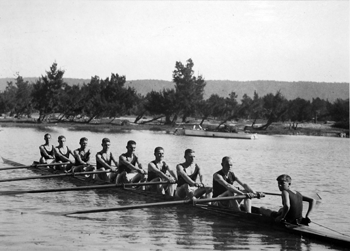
(121, 178)
(248, 205)
(171, 189)
(103, 176)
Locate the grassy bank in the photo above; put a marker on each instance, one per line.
(126, 124)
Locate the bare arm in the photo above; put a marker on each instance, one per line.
(100, 160)
(227, 185)
(44, 152)
(152, 167)
(62, 157)
(311, 202)
(172, 173)
(184, 175)
(78, 157)
(286, 206)
(137, 167)
(247, 188)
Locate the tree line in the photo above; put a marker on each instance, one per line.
(109, 97)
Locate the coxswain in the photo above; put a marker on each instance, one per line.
(292, 204)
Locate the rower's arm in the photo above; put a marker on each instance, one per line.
(153, 168)
(100, 160)
(245, 186)
(172, 173)
(227, 185)
(184, 175)
(124, 161)
(311, 202)
(64, 158)
(200, 175)
(78, 158)
(286, 205)
(44, 152)
(115, 163)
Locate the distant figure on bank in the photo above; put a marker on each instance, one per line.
(104, 161)
(292, 202)
(47, 151)
(187, 173)
(158, 170)
(62, 154)
(223, 186)
(130, 169)
(82, 157)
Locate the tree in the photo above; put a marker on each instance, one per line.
(108, 97)
(231, 108)
(189, 89)
(8, 99)
(214, 106)
(320, 109)
(340, 113)
(48, 91)
(162, 103)
(23, 97)
(275, 106)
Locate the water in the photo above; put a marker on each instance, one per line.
(32, 221)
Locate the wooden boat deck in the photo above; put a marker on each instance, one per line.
(255, 217)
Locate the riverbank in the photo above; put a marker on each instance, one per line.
(126, 124)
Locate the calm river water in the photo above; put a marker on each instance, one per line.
(30, 221)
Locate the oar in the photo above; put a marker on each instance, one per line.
(53, 176)
(158, 204)
(82, 188)
(33, 166)
(318, 198)
(275, 194)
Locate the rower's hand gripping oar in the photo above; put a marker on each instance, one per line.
(166, 203)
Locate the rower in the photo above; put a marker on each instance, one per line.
(82, 157)
(130, 169)
(47, 151)
(223, 181)
(292, 202)
(62, 154)
(104, 160)
(158, 170)
(187, 185)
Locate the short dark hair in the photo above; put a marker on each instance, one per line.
(284, 177)
(157, 149)
(61, 137)
(47, 134)
(224, 159)
(188, 151)
(131, 142)
(83, 139)
(105, 140)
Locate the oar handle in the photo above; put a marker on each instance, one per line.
(275, 194)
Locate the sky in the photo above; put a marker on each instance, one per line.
(227, 40)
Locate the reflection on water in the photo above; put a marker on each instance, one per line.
(316, 164)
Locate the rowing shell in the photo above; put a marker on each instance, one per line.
(255, 217)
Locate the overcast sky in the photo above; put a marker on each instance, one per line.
(234, 40)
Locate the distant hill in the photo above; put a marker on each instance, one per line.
(291, 90)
